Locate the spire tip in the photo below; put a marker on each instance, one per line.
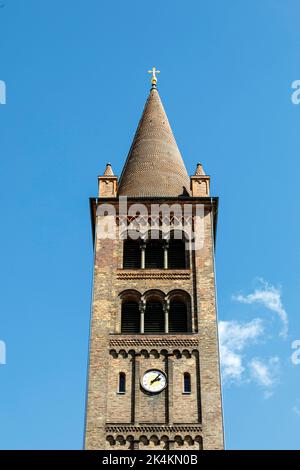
(154, 71)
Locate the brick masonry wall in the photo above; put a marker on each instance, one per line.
(119, 409)
(208, 342)
(171, 407)
(186, 406)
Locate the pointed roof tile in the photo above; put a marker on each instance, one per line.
(199, 170)
(154, 166)
(108, 170)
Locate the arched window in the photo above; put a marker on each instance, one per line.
(130, 317)
(154, 254)
(131, 254)
(186, 383)
(177, 256)
(178, 317)
(122, 382)
(154, 318)
(177, 252)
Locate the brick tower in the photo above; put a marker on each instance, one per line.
(154, 378)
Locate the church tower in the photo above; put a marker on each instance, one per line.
(154, 379)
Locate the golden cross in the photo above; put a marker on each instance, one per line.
(154, 71)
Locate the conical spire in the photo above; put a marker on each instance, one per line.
(154, 166)
(108, 170)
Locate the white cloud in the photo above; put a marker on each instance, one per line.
(270, 297)
(268, 394)
(2, 352)
(295, 357)
(234, 338)
(265, 373)
(296, 409)
(237, 365)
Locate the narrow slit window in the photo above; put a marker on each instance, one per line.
(122, 382)
(186, 383)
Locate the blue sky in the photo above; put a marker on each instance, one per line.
(76, 78)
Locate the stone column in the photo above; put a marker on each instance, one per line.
(137, 389)
(142, 312)
(143, 255)
(166, 308)
(170, 359)
(198, 384)
(132, 386)
(166, 247)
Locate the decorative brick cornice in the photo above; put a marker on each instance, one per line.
(154, 342)
(151, 274)
(119, 428)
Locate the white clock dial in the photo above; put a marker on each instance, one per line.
(154, 381)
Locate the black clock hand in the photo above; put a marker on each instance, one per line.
(158, 377)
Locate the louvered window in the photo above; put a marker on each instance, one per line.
(178, 317)
(177, 254)
(131, 254)
(154, 318)
(130, 321)
(154, 254)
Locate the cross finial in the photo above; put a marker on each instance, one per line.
(154, 71)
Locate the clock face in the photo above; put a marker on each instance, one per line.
(154, 381)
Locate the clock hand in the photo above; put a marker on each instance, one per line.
(158, 377)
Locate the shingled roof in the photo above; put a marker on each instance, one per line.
(154, 166)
